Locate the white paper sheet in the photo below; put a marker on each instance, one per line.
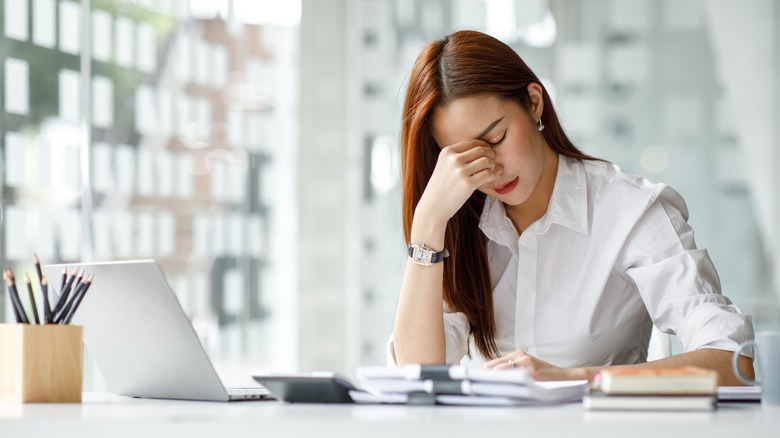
(70, 27)
(17, 86)
(44, 23)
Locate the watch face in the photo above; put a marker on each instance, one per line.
(421, 255)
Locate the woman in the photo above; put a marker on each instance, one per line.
(543, 256)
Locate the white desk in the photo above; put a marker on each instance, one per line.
(102, 415)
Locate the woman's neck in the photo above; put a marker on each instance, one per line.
(523, 215)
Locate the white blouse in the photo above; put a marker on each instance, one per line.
(583, 285)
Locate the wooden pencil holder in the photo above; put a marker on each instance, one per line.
(40, 363)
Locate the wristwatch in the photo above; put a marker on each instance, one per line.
(425, 256)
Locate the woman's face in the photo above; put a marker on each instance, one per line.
(511, 132)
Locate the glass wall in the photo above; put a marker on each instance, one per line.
(142, 129)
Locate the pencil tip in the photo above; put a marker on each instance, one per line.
(27, 277)
(44, 282)
(35, 256)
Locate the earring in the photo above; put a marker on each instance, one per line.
(539, 126)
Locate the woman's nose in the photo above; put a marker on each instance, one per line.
(498, 170)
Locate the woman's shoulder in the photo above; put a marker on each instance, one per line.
(607, 182)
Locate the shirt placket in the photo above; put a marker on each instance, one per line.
(525, 310)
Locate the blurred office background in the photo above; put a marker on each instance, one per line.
(251, 146)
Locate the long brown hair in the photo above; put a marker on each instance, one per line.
(462, 64)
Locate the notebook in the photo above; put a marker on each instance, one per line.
(141, 339)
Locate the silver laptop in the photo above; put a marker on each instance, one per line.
(140, 338)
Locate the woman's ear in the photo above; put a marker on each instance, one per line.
(536, 98)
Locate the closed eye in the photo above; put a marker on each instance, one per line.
(498, 142)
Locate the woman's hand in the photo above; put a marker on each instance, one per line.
(460, 170)
(537, 369)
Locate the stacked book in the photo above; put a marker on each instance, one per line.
(457, 385)
(670, 389)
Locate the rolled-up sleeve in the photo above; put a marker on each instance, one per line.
(678, 282)
(456, 337)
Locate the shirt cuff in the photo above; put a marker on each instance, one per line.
(716, 325)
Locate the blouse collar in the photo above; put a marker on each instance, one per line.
(568, 207)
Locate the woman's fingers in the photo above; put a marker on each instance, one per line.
(466, 145)
(518, 358)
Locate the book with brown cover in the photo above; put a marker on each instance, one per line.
(686, 380)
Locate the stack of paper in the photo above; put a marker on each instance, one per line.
(463, 386)
(674, 389)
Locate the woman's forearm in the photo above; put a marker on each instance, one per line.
(418, 334)
(717, 360)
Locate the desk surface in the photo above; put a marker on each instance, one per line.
(102, 415)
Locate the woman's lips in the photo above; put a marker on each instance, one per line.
(506, 188)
